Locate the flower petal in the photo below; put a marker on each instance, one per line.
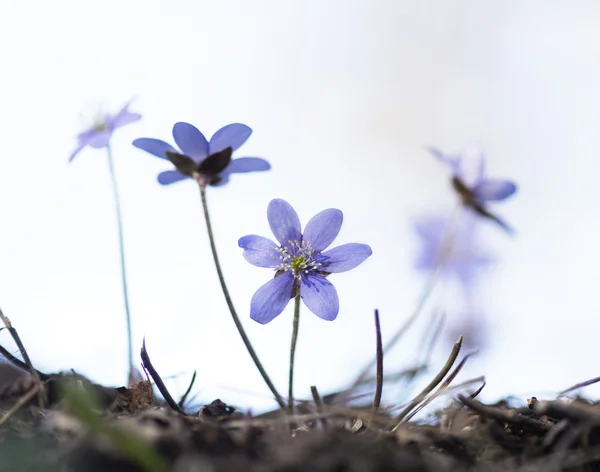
(169, 177)
(98, 139)
(156, 147)
(124, 117)
(190, 140)
(320, 297)
(323, 228)
(248, 164)
(260, 251)
(454, 162)
(284, 222)
(494, 189)
(271, 299)
(344, 257)
(76, 151)
(233, 136)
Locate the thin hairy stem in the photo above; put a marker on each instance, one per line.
(293, 354)
(117, 200)
(234, 315)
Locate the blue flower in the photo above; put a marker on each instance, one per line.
(98, 136)
(208, 160)
(483, 189)
(299, 261)
(477, 190)
(453, 246)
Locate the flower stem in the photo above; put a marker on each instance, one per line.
(117, 201)
(293, 354)
(234, 315)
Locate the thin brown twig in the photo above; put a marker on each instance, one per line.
(34, 373)
(379, 349)
(574, 411)
(187, 392)
(579, 385)
(319, 404)
(478, 391)
(162, 388)
(12, 359)
(22, 401)
(506, 416)
(437, 379)
(444, 386)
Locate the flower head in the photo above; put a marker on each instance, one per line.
(208, 161)
(299, 261)
(454, 247)
(99, 134)
(476, 190)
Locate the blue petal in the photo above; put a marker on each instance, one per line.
(76, 151)
(247, 164)
(494, 189)
(454, 162)
(323, 228)
(260, 251)
(156, 147)
(124, 117)
(320, 296)
(344, 257)
(170, 176)
(284, 222)
(191, 141)
(271, 299)
(99, 139)
(233, 135)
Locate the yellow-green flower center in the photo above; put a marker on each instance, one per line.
(298, 258)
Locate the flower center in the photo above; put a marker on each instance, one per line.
(298, 258)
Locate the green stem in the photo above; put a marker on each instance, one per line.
(293, 354)
(234, 315)
(117, 201)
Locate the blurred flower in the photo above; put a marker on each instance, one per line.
(452, 247)
(98, 136)
(475, 191)
(209, 161)
(301, 264)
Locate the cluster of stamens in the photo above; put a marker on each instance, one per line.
(300, 261)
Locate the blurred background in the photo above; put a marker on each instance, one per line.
(343, 100)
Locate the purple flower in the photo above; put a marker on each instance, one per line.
(475, 191)
(454, 247)
(98, 136)
(209, 161)
(299, 261)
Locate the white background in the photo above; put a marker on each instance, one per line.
(342, 98)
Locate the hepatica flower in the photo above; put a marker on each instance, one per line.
(301, 262)
(455, 247)
(209, 162)
(476, 190)
(99, 134)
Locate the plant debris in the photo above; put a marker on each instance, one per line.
(467, 435)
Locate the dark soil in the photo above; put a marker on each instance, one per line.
(560, 435)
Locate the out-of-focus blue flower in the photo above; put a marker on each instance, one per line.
(483, 189)
(452, 247)
(202, 154)
(299, 261)
(476, 190)
(98, 136)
